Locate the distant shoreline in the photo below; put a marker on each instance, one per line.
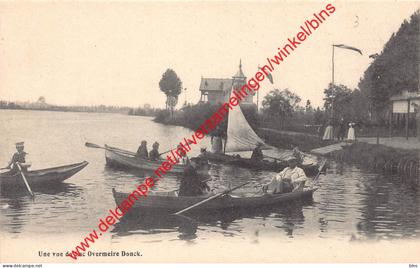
(147, 111)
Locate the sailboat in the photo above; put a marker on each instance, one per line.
(241, 137)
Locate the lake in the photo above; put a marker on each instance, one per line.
(350, 204)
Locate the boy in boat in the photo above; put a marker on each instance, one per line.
(257, 154)
(18, 157)
(154, 154)
(191, 184)
(142, 151)
(290, 179)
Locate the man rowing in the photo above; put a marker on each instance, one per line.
(191, 184)
(142, 150)
(18, 158)
(257, 154)
(290, 179)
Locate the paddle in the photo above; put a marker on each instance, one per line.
(92, 145)
(211, 198)
(24, 179)
(319, 171)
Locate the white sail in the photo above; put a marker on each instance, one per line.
(240, 135)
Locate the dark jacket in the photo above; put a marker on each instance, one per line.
(142, 152)
(191, 185)
(154, 155)
(257, 154)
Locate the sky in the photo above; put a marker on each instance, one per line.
(114, 53)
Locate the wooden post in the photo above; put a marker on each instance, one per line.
(407, 119)
(390, 120)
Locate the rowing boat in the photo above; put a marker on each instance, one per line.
(42, 176)
(310, 170)
(116, 158)
(169, 202)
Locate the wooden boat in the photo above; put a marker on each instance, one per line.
(117, 158)
(42, 176)
(169, 202)
(310, 170)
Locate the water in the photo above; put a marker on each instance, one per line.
(350, 204)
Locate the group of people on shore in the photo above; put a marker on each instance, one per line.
(339, 132)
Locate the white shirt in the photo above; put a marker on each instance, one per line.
(296, 175)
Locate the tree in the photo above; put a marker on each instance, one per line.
(280, 104)
(41, 99)
(337, 100)
(395, 69)
(171, 85)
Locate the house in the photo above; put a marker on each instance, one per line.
(217, 90)
(403, 111)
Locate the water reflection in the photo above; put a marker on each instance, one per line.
(385, 213)
(18, 207)
(229, 221)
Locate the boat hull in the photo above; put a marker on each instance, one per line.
(123, 161)
(42, 176)
(310, 170)
(166, 204)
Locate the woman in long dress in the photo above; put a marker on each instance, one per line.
(351, 136)
(329, 132)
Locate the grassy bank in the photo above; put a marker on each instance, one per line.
(381, 158)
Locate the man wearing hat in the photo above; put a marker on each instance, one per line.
(154, 154)
(257, 154)
(191, 183)
(18, 157)
(290, 179)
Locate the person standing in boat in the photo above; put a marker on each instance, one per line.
(217, 140)
(257, 154)
(142, 150)
(154, 154)
(20, 158)
(290, 179)
(191, 184)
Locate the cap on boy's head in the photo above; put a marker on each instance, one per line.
(19, 144)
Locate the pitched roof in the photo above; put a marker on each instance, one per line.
(216, 84)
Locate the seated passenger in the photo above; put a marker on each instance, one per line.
(154, 154)
(191, 184)
(290, 179)
(257, 154)
(142, 151)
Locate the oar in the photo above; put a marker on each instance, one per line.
(92, 145)
(211, 198)
(24, 179)
(319, 171)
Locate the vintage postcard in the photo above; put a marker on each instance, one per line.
(210, 132)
